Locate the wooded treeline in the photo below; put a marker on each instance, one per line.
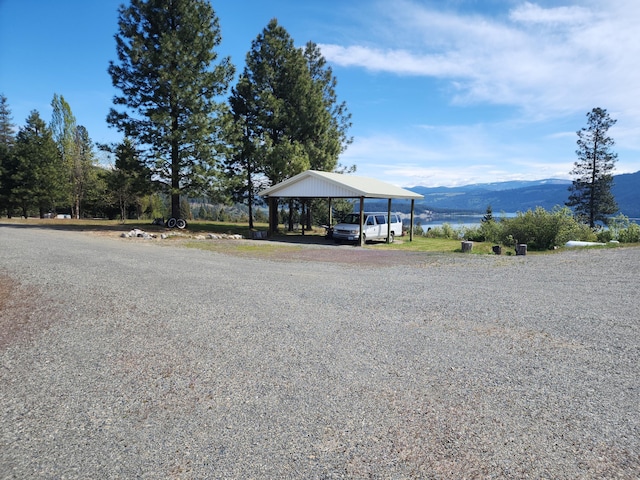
(187, 132)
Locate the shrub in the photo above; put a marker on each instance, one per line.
(543, 230)
(448, 231)
(631, 234)
(604, 236)
(623, 229)
(492, 230)
(444, 231)
(474, 234)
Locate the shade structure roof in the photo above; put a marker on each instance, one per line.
(316, 184)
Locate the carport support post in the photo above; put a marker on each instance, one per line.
(413, 202)
(273, 215)
(361, 242)
(389, 220)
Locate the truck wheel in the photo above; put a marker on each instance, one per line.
(171, 223)
(181, 223)
(391, 237)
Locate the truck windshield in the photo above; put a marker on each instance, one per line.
(352, 218)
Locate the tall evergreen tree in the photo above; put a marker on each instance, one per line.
(328, 121)
(7, 127)
(166, 49)
(280, 86)
(243, 166)
(286, 112)
(34, 175)
(130, 180)
(7, 141)
(591, 196)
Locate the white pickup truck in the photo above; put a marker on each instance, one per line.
(375, 227)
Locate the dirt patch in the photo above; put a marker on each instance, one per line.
(22, 317)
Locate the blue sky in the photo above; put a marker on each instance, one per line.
(441, 92)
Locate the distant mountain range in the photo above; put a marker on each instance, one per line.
(520, 196)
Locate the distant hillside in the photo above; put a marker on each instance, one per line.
(626, 190)
(517, 196)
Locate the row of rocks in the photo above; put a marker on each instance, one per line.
(137, 233)
(219, 236)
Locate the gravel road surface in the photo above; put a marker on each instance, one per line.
(130, 358)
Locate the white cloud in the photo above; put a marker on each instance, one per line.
(397, 61)
(532, 13)
(546, 61)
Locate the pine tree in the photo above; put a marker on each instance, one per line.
(34, 174)
(7, 141)
(169, 88)
(328, 120)
(7, 128)
(591, 196)
(286, 113)
(130, 180)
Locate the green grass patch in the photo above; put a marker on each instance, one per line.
(425, 244)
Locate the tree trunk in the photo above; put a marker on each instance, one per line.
(250, 195)
(175, 167)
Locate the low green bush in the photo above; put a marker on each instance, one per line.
(631, 234)
(623, 230)
(543, 230)
(604, 236)
(444, 231)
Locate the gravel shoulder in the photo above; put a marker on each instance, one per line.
(135, 360)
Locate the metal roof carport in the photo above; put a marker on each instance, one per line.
(316, 184)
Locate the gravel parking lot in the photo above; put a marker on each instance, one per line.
(128, 358)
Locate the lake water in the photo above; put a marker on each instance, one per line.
(468, 221)
(456, 221)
